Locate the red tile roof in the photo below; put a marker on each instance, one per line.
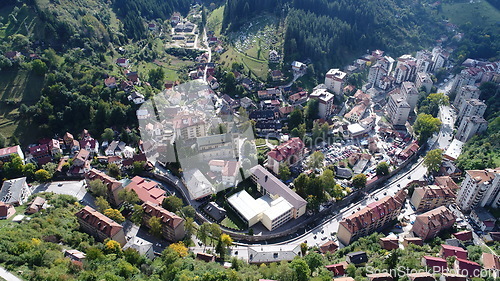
(166, 217)
(99, 221)
(284, 151)
(146, 190)
(463, 235)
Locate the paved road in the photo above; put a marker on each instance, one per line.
(8, 276)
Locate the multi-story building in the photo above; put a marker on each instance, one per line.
(480, 188)
(100, 226)
(468, 76)
(189, 126)
(470, 126)
(220, 146)
(172, 226)
(423, 80)
(371, 218)
(356, 113)
(465, 93)
(431, 196)
(424, 61)
(113, 186)
(325, 102)
(398, 109)
(288, 153)
(470, 108)
(439, 58)
(429, 224)
(268, 184)
(376, 73)
(7, 152)
(410, 93)
(405, 69)
(146, 190)
(334, 80)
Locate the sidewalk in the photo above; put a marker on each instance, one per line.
(8, 276)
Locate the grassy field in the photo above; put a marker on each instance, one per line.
(464, 11)
(20, 85)
(214, 21)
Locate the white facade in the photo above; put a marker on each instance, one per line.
(423, 80)
(470, 126)
(334, 80)
(465, 93)
(472, 107)
(480, 188)
(325, 102)
(410, 94)
(398, 109)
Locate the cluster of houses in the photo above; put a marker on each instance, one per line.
(128, 84)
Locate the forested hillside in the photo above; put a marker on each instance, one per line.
(331, 32)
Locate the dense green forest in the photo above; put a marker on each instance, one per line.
(34, 250)
(332, 32)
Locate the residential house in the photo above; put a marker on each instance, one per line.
(15, 191)
(7, 152)
(115, 148)
(298, 98)
(464, 236)
(466, 267)
(146, 190)
(12, 55)
(172, 225)
(91, 145)
(453, 251)
(446, 181)
(81, 158)
(136, 97)
(438, 265)
(68, 140)
(491, 263)
(113, 186)
(36, 205)
(431, 196)
(6, 210)
(205, 257)
(337, 269)
(189, 126)
(288, 153)
(110, 82)
(143, 247)
(384, 276)
(269, 94)
(270, 254)
(428, 225)
(276, 75)
(123, 62)
(374, 216)
(274, 56)
(357, 258)
(452, 277)
(299, 67)
(40, 154)
(215, 211)
(413, 240)
(421, 276)
(99, 226)
(482, 218)
(328, 247)
(75, 255)
(389, 243)
(356, 113)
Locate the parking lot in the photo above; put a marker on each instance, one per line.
(73, 188)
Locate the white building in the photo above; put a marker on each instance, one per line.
(439, 58)
(472, 107)
(410, 93)
(398, 109)
(325, 102)
(142, 246)
(465, 93)
(335, 79)
(15, 191)
(376, 73)
(470, 126)
(423, 80)
(480, 188)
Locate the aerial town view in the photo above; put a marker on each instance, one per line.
(250, 140)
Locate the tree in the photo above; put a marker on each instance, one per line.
(50, 167)
(156, 77)
(155, 226)
(114, 214)
(29, 170)
(14, 167)
(203, 232)
(42, 175)
(284, 172)
(113, 247)
(382, 169)
(215, 232)
(316, 160)
(188, 212)
(172, 203)
(328, 181)
(226, 240)
(301, 184)
(433, 159)
(114, 171)
(108, 135)
(303, 248)
(295, 118)
(102, 204)
(314, 261)
(301, 269)
(39, 67)
(425, 126)
(3, 141)
(179, 248)
(359, 181)
(98, 188)
(138, 167)
(136, 216)
(129, 196)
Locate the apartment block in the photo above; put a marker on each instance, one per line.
(172, 225)
(428, 225)
(100, 226)
(430, 197)
(480, 188)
